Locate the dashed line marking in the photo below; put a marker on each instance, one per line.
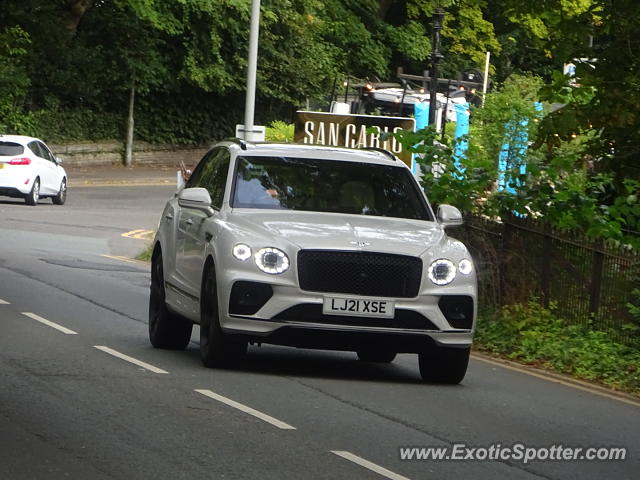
(129, 359)
(4, 302)
(139, 234)
(243, 408)
(49, 323)
(369, 465)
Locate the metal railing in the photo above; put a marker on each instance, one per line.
(589, 281)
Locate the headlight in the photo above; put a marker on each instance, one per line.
(242, 252)
(272, 260)
(442, 271)
(465, 266)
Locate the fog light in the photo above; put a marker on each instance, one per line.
(242, 252)
(465, 266)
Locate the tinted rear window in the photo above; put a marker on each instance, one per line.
(8, 149)
(327, 186)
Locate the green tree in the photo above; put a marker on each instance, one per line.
(14, 82)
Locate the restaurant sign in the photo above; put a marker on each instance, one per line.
(351, 131)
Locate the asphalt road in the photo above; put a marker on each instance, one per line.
(71, 406)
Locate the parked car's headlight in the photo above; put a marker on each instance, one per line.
(242, 252)
(465, 266)
(442, 271)
(272, 260)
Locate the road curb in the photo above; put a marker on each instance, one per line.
(558, 378)
(123, 183)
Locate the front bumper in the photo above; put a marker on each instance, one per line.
(290, 316)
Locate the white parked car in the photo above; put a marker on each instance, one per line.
(314, 247)
(29, 170)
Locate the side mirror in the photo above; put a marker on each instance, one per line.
(197, 198)
(449, 216)
(59, 161)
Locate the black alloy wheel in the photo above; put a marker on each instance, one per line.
(216, 348)
(166, 329)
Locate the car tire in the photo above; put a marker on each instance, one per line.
(34, 195)
(166, 329)
(376, 356)
(61, 197)
(444, 364)
(217, 349)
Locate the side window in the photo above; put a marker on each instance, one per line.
(35, 148)
(211, 173)
(194, 179)
(214, 179)
(47, 153)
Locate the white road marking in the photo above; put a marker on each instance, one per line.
(129, 359)
(49, 323)
(368, 465)
(4, 302)
(243, 408)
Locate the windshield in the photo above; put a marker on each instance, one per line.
(10, 148)
(327, 186)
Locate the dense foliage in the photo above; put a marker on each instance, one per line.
(67, 68)
(534, 335)
(560, 181)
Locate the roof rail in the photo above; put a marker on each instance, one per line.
(381, 150)
(238, 141)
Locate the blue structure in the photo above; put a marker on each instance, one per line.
(421, 110)
(514, 150)
(421, 113)
(461, 133)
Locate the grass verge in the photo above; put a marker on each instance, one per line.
(145, 255)
(530, 334)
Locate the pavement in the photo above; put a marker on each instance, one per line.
(110, 175)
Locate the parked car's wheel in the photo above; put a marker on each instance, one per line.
(216, 348)
(376, 356)
(61, 197)
(34, 195)
(444, 364)
(166, 329)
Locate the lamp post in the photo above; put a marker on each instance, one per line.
(250, 100)
(436, 56)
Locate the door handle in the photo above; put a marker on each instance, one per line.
(189, 222)
(168, 216)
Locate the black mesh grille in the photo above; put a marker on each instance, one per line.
(312, 312)
(359, 273)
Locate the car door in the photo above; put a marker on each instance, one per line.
(45, 168)
(54, 168)
(194, 226)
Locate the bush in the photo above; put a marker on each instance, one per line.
(534, 335)
(280, 132)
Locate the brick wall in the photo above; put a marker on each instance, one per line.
(112, 152)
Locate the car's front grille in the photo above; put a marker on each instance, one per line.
(312, 313)
(359, 273)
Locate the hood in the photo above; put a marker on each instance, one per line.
(335, 231)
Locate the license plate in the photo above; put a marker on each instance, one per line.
(358, 307)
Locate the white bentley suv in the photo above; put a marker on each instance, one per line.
(313, 247)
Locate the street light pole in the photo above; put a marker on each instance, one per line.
(436, 56)
(250, 99)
